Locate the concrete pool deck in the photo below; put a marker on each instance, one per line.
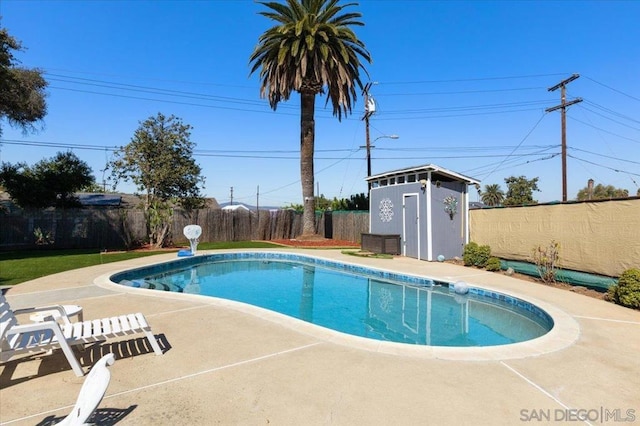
(230, 364)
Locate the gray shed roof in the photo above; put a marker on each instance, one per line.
(425, 168)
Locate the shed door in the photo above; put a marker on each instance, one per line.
(410, 226)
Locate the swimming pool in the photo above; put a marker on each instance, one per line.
(351, 299)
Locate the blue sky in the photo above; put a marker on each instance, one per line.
(462, 83)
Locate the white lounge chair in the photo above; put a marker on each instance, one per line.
(18, 338)
(91, 393)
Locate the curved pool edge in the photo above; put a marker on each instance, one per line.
(564, 333)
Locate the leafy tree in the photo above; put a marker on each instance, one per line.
(358, 202)
(159, 161)
(65, 174)
(492, 195)
(602, 192)
(22, 90)
(298, 208)
(322, 203)
(24, 188)
(50, 182)
(520, 191)
(337, 205)
(355, 202)
(310, 49)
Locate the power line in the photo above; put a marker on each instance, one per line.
(254, 103)
(610, 111)
(605, 131)
(603, 166)
(605, 156)
(146, 78)
(472, 79)
(603, 139)
(612, 89)
(518, 146)
(59, 145)
(610, 119)
(157, 91)
(460, 156)
(170, 92)
(327, 115)
(549, 157)
(298, 181)
(270, 151)
(422, 117)
(469, 107)
(513, 159)
(256, 153)
(254, 106)
(388, 83)
(463, 148)
(460, 92)
(266, 154)
(167, 101)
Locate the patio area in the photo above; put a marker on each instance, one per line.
(231, 364)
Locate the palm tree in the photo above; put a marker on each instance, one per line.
(492, 195)
(311, 49)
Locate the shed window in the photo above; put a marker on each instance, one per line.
(400, 179)
(411, 178)
(423, 176)
(383, 182)
(392, 181)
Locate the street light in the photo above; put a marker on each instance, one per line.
(369, 146)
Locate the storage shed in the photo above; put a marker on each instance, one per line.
(425, 208)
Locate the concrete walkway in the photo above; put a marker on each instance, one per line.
(228, 363)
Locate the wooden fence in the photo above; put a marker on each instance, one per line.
(601, 237)
(126, 228)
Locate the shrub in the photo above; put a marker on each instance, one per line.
(493, 264)
(42, 237)
(546, 261)
(468, 253)
(627, 291)
(475, 255)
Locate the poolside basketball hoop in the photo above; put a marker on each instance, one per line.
(192, 232)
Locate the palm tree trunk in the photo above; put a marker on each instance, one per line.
(307, 138)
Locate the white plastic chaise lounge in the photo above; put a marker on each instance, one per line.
(91, 393)
(18, 338)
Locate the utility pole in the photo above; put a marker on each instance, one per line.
(369, 110)
(231, 195)
(563, 114)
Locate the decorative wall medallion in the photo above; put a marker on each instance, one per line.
(386, 210)
(450, 205)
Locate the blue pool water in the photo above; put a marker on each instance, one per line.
(351, 299)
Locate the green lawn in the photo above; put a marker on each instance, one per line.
(20, 266)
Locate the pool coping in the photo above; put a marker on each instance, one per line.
(565, 331)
